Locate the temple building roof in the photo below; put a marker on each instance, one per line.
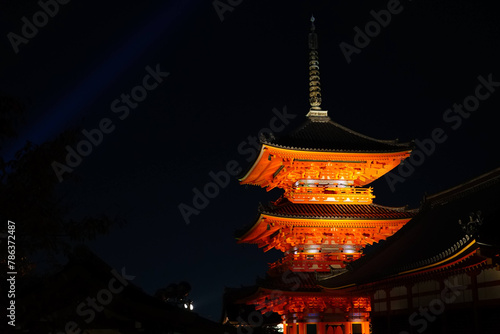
(320, 133)
(434, 239)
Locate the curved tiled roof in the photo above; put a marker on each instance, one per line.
(322, 134)
(442, 256)
(285, 208)
(434, 239)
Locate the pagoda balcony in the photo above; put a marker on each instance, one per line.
(333, 195)
(319, 262)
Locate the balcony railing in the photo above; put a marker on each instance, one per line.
(344, 195)
(319, 262)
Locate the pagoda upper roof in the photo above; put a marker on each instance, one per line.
(434, 240)
(285, 208)
(320, 133)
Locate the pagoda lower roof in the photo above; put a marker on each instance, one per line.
(285, 208)
(291, 281)
(320, 133)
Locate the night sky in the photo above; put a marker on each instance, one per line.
(224, 79)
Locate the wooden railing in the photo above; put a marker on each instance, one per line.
(320, 262)
(347, 195)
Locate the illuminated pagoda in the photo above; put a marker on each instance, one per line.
(324, 219)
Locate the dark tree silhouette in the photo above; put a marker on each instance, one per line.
(176, 294)
(29, 196)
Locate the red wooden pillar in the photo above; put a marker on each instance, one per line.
(320, 328)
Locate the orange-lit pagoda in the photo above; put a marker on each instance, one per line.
(338, 275)
(325, 217)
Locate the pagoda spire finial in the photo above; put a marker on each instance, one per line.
(314, 80)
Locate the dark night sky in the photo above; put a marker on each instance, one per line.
(225, 79)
